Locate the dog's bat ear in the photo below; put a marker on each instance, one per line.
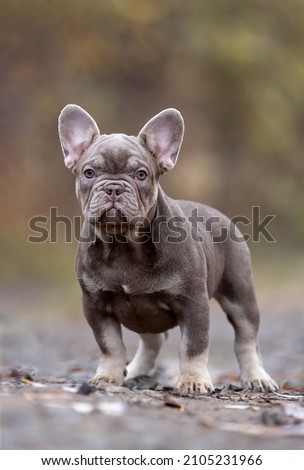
(77, 130)
(163, 136)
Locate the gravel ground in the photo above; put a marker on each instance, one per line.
(47, 356)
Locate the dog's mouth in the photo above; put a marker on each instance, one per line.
(113, 215)
(110, 214)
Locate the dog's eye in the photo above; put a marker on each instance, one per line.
(141, 174)
(89, 173)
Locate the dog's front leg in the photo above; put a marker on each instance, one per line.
(194, 377)
(107, 332)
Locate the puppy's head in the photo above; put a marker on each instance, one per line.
(117, 175)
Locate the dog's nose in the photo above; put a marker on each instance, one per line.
(113, 190)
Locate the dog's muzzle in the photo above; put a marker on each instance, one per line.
(116, 200)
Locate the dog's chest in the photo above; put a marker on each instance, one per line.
(142, 304)
(144, 313)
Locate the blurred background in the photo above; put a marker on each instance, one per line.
(234, 69)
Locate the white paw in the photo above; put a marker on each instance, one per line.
(188, 385)
(261, 382)
(99, 381)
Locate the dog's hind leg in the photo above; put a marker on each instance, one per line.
(144, 359)
(236, 295)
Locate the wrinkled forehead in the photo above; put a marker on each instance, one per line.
(116, 152)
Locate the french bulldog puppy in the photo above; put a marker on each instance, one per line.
(152, 262)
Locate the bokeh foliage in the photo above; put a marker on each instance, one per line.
(235, 69)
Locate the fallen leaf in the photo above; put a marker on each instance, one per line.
(20, 373)
(58, 380)
(293, 386)
(209, 422)
(171, 403)
(26, 381)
